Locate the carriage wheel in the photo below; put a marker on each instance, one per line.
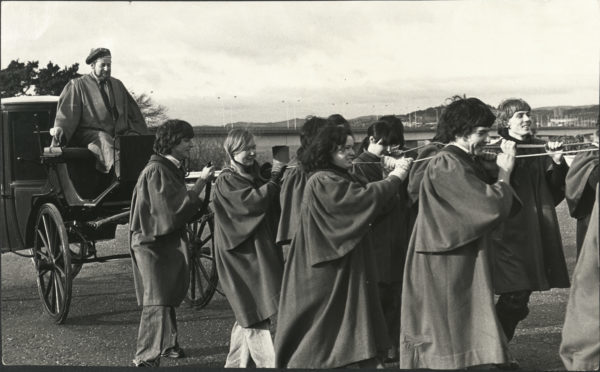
(203, 271)
(52, 260)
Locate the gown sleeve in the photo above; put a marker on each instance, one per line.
(69, 110)
(340, 213)
(457, 207)
(240, 207)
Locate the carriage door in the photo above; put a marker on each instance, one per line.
(22, 174)
(4, 184)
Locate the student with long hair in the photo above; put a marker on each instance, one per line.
(292, 185)
(329, 312)
(247, 259)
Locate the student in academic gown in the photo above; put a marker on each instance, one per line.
(528, 253)
(292, 186)
(448, 319)
(389, 231)
(580, 184)
(161, 207)
(580, 346)
(415, 177)
(248, 261)
(329, 312)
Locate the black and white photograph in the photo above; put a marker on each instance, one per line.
(300, 185)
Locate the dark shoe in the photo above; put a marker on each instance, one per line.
(174, 353)
(509, 366)
(144, 363)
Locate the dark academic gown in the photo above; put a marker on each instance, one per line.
(81, 107)
(448, 316)
(389, 231)
(329, 312)
(161, 207)
(417, 171)
(581, 182)
(248, 261)
(580, 346)
(290, 198)
(528, 252)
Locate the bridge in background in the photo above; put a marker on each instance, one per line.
(268, 136)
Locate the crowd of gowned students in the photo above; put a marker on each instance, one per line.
(392, 254)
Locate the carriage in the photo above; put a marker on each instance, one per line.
(55, 206)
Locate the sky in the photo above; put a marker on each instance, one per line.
(211, 63)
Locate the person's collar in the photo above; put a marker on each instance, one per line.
(96, 77)
(460, 147)
(518, 136)
(173, 160)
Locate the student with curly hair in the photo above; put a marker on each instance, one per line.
(292, 185)
(161, 207)
(329, 312)
(448, 319)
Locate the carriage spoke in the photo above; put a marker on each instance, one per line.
(60, 270)
(43, 272)
(48, 285)
(200, 278)
(58, 291)
(203, 270)
(43, 239)
(193, 284)
(49, 236)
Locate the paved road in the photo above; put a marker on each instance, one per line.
(102, 325)
(101, 328)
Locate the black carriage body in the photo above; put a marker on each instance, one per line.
(55, 202)
(33, 173)
(23, 177)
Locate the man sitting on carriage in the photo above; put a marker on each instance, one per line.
(93, 109)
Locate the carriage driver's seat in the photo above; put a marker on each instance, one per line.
(74, 171)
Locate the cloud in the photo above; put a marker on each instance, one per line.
(393, 55)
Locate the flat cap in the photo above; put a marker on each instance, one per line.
(96, 53)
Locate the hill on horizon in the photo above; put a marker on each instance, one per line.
(429, 115)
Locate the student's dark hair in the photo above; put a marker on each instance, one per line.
(318, 155)
(508, 107)
(396, 130)
(170, 133)
(380, 130)
(461, 116)
(337, 119)
(309, 130)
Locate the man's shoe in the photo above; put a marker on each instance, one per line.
(144, 363)
(509, 366)
(175, 353)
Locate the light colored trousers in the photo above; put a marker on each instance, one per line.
(157, 333)
(251, 344)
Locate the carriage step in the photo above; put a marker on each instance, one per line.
(100, 259)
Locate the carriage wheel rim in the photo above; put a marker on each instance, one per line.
(52, 262)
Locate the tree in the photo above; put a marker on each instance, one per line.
(17, 78)
(154, 113)
(52, 79)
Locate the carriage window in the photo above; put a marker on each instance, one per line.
(26, 145)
